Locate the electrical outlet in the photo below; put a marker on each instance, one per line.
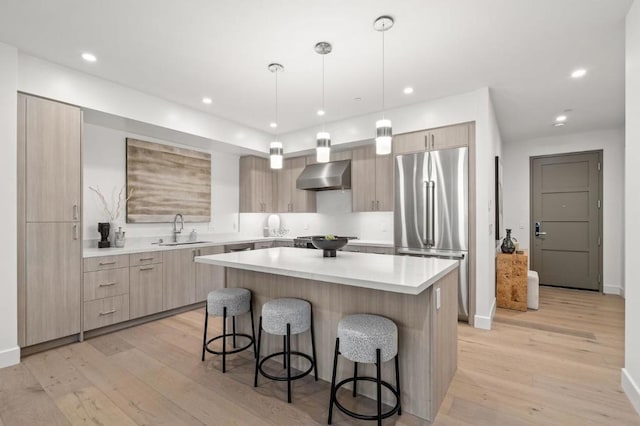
(235, 226)
(438, 301)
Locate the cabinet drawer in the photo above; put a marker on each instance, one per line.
(262, 245)
(102, 312)
(145, 294)
(106, 262)
(100, 284)
(145, 258)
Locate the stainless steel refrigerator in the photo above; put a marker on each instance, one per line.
(432, 210)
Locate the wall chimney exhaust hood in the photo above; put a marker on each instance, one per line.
(325, 176)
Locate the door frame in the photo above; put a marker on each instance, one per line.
(600, 153)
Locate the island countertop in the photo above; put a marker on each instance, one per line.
(398, 274)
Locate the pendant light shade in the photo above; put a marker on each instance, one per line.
(275, 148)
(383, 127)
(323, 147)
(275, 155)
(323, 139)
(383, 137)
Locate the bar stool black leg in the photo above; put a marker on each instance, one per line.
(355, 379)
(284, 355)
(224, 339)
(398, 386)
(379, 386)
(313, 349)
(253, 332)
(234, 331)
(288, 353)
(255, 379)
(206, 323)
(332, 396)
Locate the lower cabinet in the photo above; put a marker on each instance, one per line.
(102, 312)
(179, 272)
(145, 290)
(208, 277)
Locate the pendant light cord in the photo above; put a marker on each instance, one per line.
(324, 120)
(277, 123)
(383, 31)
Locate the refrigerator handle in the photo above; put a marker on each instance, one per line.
(430, 225)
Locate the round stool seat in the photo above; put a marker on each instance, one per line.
(360, 335)
(236, 300)
(277, 313)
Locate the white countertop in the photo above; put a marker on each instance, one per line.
(398, 274)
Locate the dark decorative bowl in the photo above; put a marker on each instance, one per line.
(329, 247)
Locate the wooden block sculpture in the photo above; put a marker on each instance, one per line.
(511, 281)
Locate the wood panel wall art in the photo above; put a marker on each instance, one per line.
(167, 180)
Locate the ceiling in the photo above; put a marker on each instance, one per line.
(524, 50)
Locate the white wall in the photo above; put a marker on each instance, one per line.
(9, 351)
(516, 191)
(49, 80)
(473, 106)
(104, 165)
(631, 370)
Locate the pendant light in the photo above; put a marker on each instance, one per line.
(275, 148)
(383, 126)
(323, 138)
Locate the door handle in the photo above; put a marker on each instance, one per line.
(372, 205)
(430, 225)
(75, 212)
(537, 229)
(75, 232)
(377, 205)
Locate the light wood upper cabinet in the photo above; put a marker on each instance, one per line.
(53, 280)
(53, 163)
(433, 139)
(371, 180)
(209, 277)
(256, 190)
(289, 199)
(178, 278)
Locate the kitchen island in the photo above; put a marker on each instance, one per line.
(419, 294)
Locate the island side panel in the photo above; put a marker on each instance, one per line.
(331, 302)
(445, 339)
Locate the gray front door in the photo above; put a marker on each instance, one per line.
(566, 202)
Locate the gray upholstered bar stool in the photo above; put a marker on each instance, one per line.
(285, 317)
(228, 302)
(370, 339)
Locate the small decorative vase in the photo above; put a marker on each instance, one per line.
(120, 240)
(507, 244)
(104, 229)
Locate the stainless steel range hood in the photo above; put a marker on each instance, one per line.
(325, 176)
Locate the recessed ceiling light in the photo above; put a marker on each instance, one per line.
(560, 124)
(321, 112)
(206, 100)
(357, 99)
(408, 90)
(89, 57)
(273, 125)
(580, 72)
(561, 118)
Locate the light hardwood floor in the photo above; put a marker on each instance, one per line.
(557, 366)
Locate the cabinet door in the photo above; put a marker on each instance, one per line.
(449, 137)
(283, 202)
(145, 290)
(341, 155)
(363, 171)
(52, 161)
(410, 142)
(179, 281)
(208, 277)
(266, 181)
(302, 201)
(53, 280)
(384, 182)
(248, 191)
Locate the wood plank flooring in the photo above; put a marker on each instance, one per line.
(556, 366)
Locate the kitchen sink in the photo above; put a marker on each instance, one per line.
(183, 243)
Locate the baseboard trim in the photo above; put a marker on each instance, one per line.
(9, 357)
(613, 289)
(485, 322)
(631, 388)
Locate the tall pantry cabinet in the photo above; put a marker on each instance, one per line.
(49, 220)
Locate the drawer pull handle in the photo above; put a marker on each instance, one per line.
(142, 259)
(107, 263)
(147, 268)
(108, 284)
(108, 312)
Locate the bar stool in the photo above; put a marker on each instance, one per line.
(285, 317)
(370, 339)
(228, 302)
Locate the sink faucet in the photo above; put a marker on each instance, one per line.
(176, 231)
